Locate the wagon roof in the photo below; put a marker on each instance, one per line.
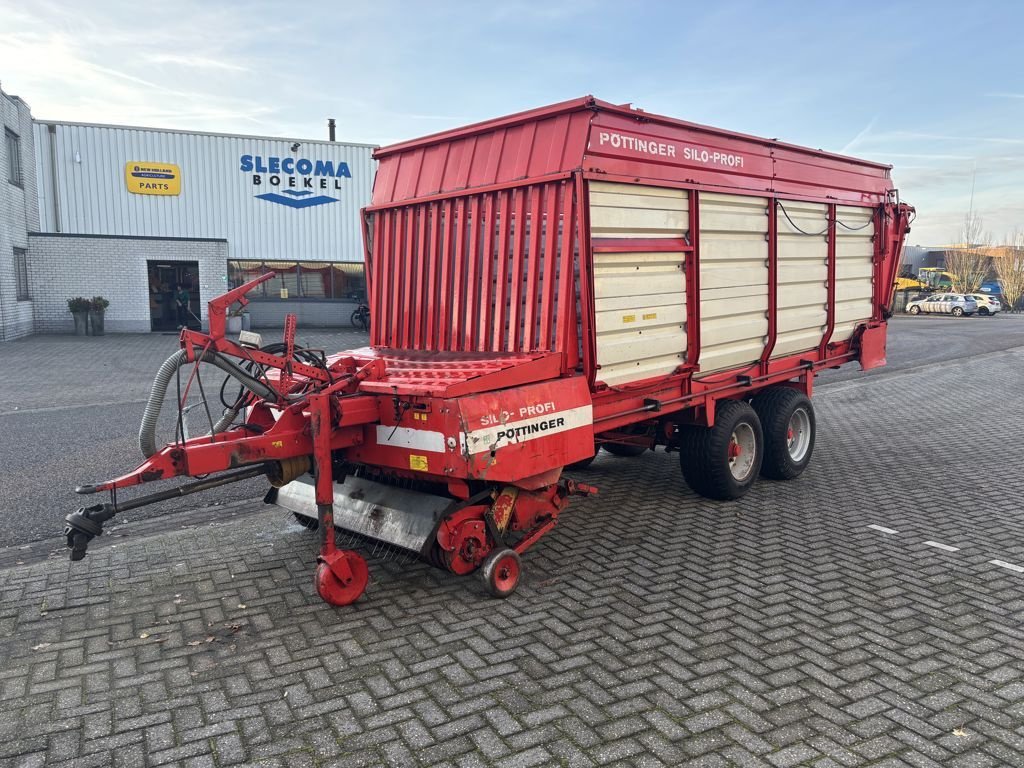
(617, 142)
(596, 105)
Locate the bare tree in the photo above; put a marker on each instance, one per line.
(1010, 269)
(967, 261)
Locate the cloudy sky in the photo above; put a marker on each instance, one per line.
(934, 88)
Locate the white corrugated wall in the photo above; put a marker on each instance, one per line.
(733, 280)
(217, 200)
(802, 253)
(855, 233)
(639, 297)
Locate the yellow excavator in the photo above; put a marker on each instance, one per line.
(928, 279)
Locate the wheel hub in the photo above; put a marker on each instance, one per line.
(742, 451)
(798, 434)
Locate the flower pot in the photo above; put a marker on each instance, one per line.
(96, 322)
(234, 323)
(81, 323)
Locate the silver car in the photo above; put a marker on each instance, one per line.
(955, 304)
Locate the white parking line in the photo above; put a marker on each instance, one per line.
(944, 547)
(882, 529)
(1008, 566)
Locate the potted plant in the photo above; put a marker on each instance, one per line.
(79, 309)
(97, 307)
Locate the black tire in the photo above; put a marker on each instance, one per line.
(309, 523)
(785, 457)
(958, 311)
(623, 449)
(704, 453)
(915, 310)
(983, 311)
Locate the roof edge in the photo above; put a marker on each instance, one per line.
(149, 129)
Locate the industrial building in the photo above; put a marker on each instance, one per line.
(133, 214)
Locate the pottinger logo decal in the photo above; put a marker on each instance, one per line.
(301, 176)
(668, 149)
(499, 430)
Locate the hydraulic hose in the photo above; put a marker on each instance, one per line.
(147, 430)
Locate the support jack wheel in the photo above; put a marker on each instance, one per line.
(501, 571)
(343, 580)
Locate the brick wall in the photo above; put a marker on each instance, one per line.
(19, 214)
(63, 266)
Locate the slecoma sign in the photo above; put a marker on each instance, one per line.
(294, 181)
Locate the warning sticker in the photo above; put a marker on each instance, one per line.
(418, 463)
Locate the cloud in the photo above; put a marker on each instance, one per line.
(195, 61)
(889, 136)
(856, 140)
(83, 73)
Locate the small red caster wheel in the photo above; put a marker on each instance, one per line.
(501, 571)
(342, 591)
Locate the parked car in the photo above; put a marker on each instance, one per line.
(987, 303)
(955, 304)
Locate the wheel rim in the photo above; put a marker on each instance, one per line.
(334, 591)
(742, 452)
(506, 574)
(798, 434)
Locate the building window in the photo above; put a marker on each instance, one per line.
(13, 156)
(309, 280)
(21, 273)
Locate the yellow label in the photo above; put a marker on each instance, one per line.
(650, 316)
(277, 444)
(145, 178)
(419, 416)
(629, 318)
(419, 463)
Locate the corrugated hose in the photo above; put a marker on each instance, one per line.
(147, 430)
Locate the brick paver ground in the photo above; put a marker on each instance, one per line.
(652, 627)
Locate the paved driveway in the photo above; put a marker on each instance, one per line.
(868, 613)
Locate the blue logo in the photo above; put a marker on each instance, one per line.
(297, 199)
(308, 175)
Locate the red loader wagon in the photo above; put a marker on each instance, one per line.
(544, 285)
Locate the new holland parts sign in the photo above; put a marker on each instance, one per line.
(296, 182)
(146, 178)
